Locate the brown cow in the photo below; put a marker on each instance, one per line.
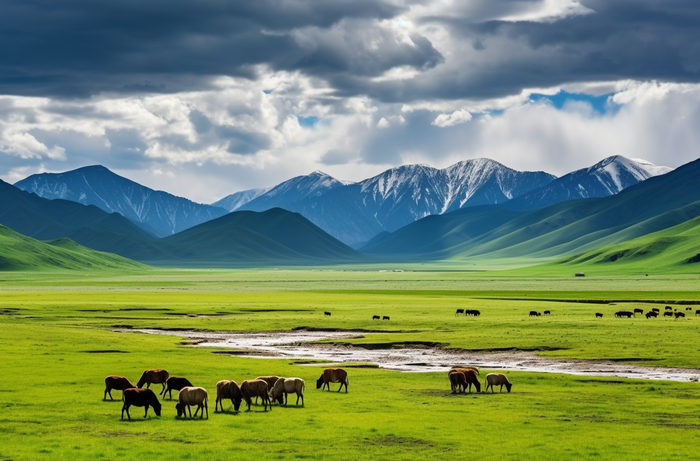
(190, 396)
(270, 380)
(285, 386)
(175, 383)
(228, 390)
(153, 377)
(333, 375)
(470, 376)
(255, 388)
(497, 379)
(140, 398)
(119, 383)
(457, 381)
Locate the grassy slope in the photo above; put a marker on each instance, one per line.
(18, 252)
(54, 328)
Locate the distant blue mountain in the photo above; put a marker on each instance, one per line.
(158, 212)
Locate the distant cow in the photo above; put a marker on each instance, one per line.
(496, 379)
(546, 312)
(621, 314)
(668, 314)
(598, 315)
(333, 375)
(190, 396)
(533, 313)
(226, 389)
(385, 318)
(668, 308)
(327, 314)
(679, 314)
(375, 317)
(472, 312)
(655, 309)
(638, 311)
(256, 388)
(175, 383)
(689, 308)
(140, 398)
(270, 380)
(457, 381)
(459, 311)
(119, 383)
(149, 377)
(697, 312)
(470, 377)
(652, 314)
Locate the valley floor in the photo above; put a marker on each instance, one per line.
(59, 341)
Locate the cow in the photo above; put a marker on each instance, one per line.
(638, 311)
(470, 376)
(149, 377)
(459, 311)
(375, 317)
(546, 312)
(533, 313)
(226, 389)
(285, 386)
(655, 309)
(189, 396)
(270, 380)
(598, 315)
(119, 383)
(621, 314)
(668, 314)
(495, 379)
(668, 308)
(256, 388)
(472, 312)
(386, 318)
(679, 314)
(140, 398)
(175, 383)
(333, 375)
(688, 308)
(697, 312)
(457, 381)
(651, 314)
(327, 314)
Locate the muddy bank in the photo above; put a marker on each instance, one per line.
(299, 345)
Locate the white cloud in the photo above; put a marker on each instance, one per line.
(455, 118)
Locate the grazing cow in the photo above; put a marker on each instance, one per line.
(228, 390)
(375, 317)
(533, 313)
(697, 312)
(679, 314)
(495, 379)
(668, 308)
(189, 396)
(256, 388)
(285, 386)
(688, 308)
(598, 315)
(464, 368)
(470, 377)
(333, 375)
(638, 311)
(119, 383)
(668, 314)
(621, 314)
(175, 383)
(327, 314)
(457, 381)
(459, 311)
(472, 312)
(270, 380)
(546, 312)
(153, 377)
(655, 309)
(385, 318)
(652, 314)
(140, 398)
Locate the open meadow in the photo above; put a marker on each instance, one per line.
(58, 343)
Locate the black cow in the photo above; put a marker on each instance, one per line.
(385, 318)
(652, 314)
(668, 314)
(697, 312)
(472, 312)
(375, 317)
(621, 314)
(140, 398)
(655, 309)
(327, 314)
(459, 311)
(546, 312)
(679, 314)
(668, 308)
(598, 315)
(638, 311)
(689, 308)
(533, 314)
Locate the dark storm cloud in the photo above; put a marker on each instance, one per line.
(79, 47)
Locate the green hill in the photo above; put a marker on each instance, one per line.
(18, 252)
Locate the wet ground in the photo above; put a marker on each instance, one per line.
(299, 345)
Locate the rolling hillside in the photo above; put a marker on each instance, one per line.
(564, 228)
(18, 252)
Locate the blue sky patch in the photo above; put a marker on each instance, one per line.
(307, 122)
(600, 104)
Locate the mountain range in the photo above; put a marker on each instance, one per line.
(157, 212)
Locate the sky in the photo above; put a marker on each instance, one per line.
(205, 98)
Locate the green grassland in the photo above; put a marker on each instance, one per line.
(58, 345)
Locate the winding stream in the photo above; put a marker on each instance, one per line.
(299, 345)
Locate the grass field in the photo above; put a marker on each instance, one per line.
(58, 347)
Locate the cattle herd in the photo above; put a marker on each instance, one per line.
(463, 377)
(268, 388)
